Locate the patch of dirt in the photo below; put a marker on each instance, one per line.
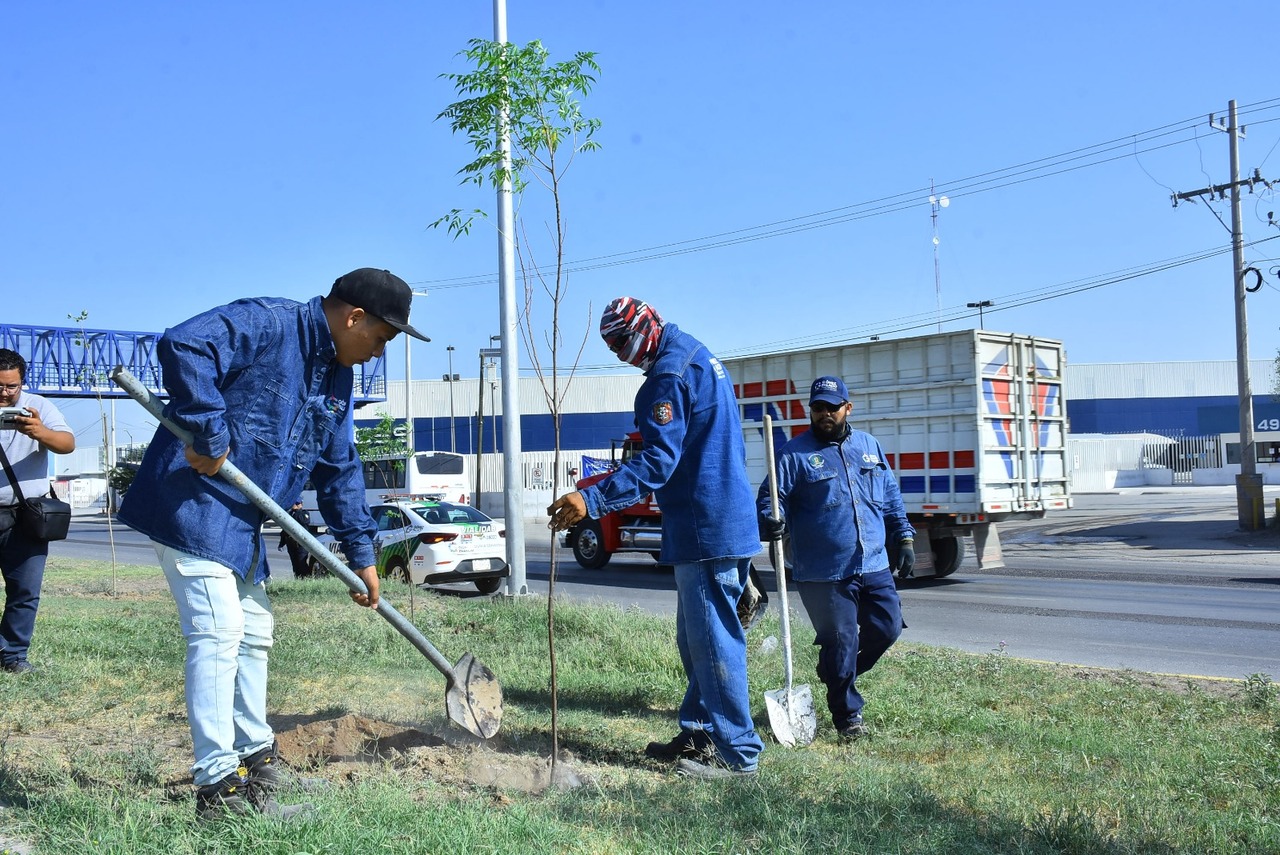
(342, 747)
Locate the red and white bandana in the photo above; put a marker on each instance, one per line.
(632, 329)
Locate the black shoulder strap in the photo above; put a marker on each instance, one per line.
(8, 471)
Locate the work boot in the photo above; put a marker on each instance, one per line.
(19, 666)
(226, 798)
(853, 729)
(267, 774)
(265, 769)
(688, 743)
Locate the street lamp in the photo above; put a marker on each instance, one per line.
(453, 431)
(490, 354)
(980, 305)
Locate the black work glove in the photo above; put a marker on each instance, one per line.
(906, 564)
(771, 529)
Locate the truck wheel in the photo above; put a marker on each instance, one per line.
(398, 570)
(488, 586)
(588, 545)
(948, 552)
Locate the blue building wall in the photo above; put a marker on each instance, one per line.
(577, 431)
(1188, 416)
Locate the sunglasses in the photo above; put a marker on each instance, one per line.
(824, 407)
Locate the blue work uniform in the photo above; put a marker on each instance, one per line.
(842, 505)
(694, 460)
(259, 377)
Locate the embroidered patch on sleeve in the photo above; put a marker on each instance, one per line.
(662, 413)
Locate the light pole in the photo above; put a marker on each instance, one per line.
(936, 202)
(980, 305)
(490, 354)
(493, 389)
(453, 432)
(408, 392)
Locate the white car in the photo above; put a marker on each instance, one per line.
(430, 542)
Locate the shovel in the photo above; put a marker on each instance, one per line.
(791, 713)
(473, 697)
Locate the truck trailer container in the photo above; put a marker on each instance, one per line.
(973, 423)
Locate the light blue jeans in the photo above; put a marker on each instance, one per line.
(713, 648)
(228, 626)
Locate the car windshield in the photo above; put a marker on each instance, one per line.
(445, 513)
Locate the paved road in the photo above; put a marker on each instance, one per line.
(1154, 580)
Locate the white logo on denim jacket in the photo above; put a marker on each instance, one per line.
(817, 461)
(868, 457)
(717, 368)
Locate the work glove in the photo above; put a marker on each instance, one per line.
(906, 563)
(771, 529)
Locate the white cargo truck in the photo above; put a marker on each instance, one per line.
(973, 423)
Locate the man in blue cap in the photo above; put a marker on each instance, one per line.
(842, 508)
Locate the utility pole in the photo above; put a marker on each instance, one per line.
(1249, 497)
(513, 471)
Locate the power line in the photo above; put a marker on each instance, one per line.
(924, 320)
(1032, 170)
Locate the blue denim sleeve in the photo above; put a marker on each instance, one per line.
(195, 358)
(339, 480)
(895, 512)
(652, 467)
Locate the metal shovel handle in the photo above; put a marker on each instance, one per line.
(267, 505)
(775, 552)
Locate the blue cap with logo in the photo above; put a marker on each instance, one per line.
(829, 390)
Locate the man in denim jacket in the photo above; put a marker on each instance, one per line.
(694, 460)
(841, 506)
(268, 382)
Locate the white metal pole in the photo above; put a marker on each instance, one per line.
(513, 481)
(408, 396)
(453, 431)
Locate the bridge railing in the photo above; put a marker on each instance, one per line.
(75, 362)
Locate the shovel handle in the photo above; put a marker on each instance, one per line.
(775, 552)
(233, 476)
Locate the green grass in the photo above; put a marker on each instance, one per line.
(970, 754)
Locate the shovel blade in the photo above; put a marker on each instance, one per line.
(474, 697)
(791, 715)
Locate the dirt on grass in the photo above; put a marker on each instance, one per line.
(342, 748)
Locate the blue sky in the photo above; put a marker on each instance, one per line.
(161, 158)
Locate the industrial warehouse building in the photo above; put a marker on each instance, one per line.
(1129, 424)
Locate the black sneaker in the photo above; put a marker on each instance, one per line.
(19, 666)
(688, 743)
(854, 729)
(226, 798)
(712, 771)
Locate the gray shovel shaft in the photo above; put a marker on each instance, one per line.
(775, 553)
(253, 493)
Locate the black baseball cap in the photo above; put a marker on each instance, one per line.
(380, 293)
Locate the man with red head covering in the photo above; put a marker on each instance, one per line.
(694, 460)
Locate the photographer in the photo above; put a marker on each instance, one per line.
(26, 445)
